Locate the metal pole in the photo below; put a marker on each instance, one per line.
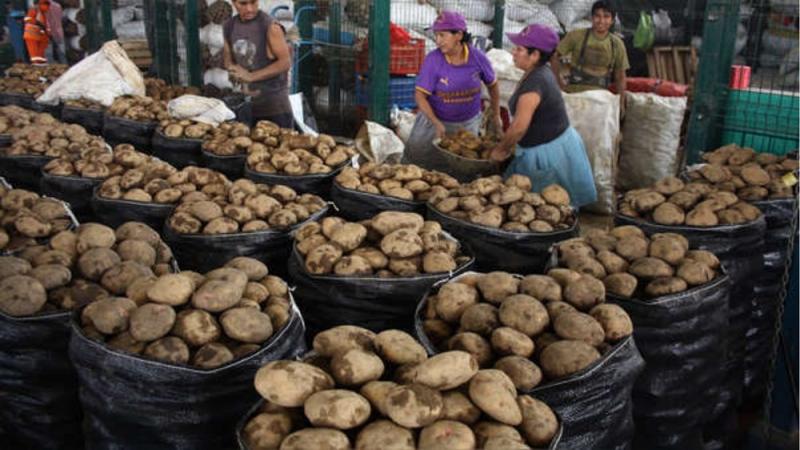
(108, 25)
(305, 66)
(90, 15)
(334, 63)
(379, 62)
(499, 17)
(193, 44)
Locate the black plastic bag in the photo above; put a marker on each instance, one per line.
(53, 110)
(241, 106)
(768, 286)
(595, 404)
(231, 166)
(319, 184)
(13, 98)
(6, 140)
(39, 406)
(203, 252)
(23, 171)
(76, 191)
(356, 205)
(136, 403)
(496, 249)
(740, 250)
(257, 407)
(374, 303)
(118, 130)
(682, 340)
(89, 118)
(178, 152)
(115, 212)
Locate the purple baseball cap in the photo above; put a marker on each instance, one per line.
(448, 21)
(537, 36)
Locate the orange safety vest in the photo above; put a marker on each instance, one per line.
(35, 26)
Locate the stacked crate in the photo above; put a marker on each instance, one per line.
(404, 65)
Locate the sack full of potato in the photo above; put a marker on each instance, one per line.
(243, 218)
(369, 391)
(555, 338)
(368, 189)
(40, 286)
(132, 120)
(504, 223)
(371, 273)
(170, 364)
(677, 298)
(28, 220)
(303, 162)
(768, 182)
(179, 142)
(719, 222)
(86, 113)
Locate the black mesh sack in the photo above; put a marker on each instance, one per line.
(178, 152)
(319, 184)
(356, 205)
(89, 118)
(77, 191)
(118, 130)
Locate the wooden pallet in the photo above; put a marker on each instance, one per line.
(139, 52)
(677, 64)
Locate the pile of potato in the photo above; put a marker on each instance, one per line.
(242, 206)
(390, 244)
(384, 392)
(54, 139)
(751, 176)
(672, 202)
(13, 117)
(98, 163)
(467, 145)
(631, 265)
(28, 79)
(187, 318)
(159, 90)
(84, 104)
(403, 181)
(299, 154)
(94, 262)
(26, 217)
(509, 205)
(236, 138)
(185, 129)
(140, 109)
(155, 181)
(535, 329)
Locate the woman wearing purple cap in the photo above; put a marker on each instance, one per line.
(546, 148)
(448, 91)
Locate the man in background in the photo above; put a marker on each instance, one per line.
(57, 51)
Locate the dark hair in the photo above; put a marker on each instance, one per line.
(600, 4)
(466, 38)
(544, 57)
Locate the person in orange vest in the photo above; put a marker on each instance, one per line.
(37, 31)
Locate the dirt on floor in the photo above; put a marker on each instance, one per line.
(589, 220)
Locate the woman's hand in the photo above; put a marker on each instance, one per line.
(498, 125)
(440, 129)
(499, 154)
(239, 73)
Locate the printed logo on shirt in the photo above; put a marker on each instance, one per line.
(445, 81)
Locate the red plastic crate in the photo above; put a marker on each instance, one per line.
(404, 59)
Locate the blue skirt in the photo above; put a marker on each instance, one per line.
(562, 161)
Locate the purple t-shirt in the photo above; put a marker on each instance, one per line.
(454, 92)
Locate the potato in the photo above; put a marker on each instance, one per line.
(437, 330)
(377, 392)
(253, 268)
(446, 370)
(95, 262)
(694, 272)
(402, 243)
(497, 286)
(337, 408)
(524, 314)
(266, 430)
(669, 249)
(398, 347)
(110, 315)
(485, 430)
(310, 438)
(668, 214)
(196, 327)
(564, 277)
(51, 276)
(494, 393)
(586, 265)
(356, 367)
(454, 299)
(414, 405)
(612, 263)
(438, 262)
(678, 237)
(475, 345)
(665, 286)
(649, 268)
(701, 217)
(523, 372)
(555, 195)
(138, 251)
(585, 292)
(352, 266)
(217, 295)
(579, 327)
(504, 443)
(21, 295)
(705, 257)
(668, 185)
(117, 279)
(349, 236)
(615, 321)
(342, 338)
(246, 325)
(564, 358)
(124, 342)
(480, 318)
(321, 260)
(170, 349)
(211, 356)
(632, 247)
(541, 287)
(389, 221)
(151, 322)
(458, 407)
(539, 422)
(290, 383)
(446, 434)
(94, 235)
(508, 341)
(384, 435)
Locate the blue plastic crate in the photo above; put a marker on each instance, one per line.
(324, 35)
(401, 91)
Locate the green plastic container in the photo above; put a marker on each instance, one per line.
(763, 120)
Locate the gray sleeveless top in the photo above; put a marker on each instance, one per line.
(248, 44)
